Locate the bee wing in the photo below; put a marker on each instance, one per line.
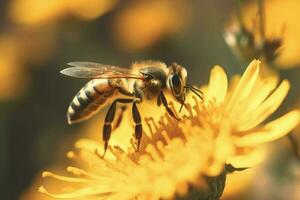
(98, 71)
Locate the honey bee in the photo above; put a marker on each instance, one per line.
(112, 85)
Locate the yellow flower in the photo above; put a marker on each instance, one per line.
(15, 58)
(175, 156)
(248, 102)
(13, 80)
(280, 22)
(37, 11)
(142, 23)
(166, 160)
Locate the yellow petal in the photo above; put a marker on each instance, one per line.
(267, 107)
(217, 87)
(261, 90)
(272, 131)
(244, 87)
(234, 80)
(249, 159)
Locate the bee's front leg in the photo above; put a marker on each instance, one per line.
(165, 103)
(158, 102)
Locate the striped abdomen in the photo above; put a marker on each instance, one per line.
(93, 96)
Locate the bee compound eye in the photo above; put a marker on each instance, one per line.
(176, 84)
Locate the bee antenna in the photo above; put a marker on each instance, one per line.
(182, 105)
(196, 91)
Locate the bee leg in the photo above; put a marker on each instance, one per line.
(158, 100)
(107, 124)
(165, 103)
(109, 119)
(138, 125)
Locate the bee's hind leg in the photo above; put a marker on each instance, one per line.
(109, 118)
(138, 124)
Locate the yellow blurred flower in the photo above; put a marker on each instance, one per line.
(15, 56)
(280, 22)
(224, 128)
(12, 76)
(43, 11)
(142, 23)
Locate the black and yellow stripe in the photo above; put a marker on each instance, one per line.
(92, 97)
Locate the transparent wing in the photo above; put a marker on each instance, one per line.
(98, 71)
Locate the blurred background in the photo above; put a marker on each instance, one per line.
(38, 38)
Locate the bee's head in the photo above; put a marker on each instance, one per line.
(176, 82)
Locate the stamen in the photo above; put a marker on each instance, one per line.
(173, 109)
(170, 122)
(196, 106)
(153, 152)
(165, 136)
(189, 109)
(163, 125)
(109, 163)
(80, 172)
(133, 145)
(65, 178)
(96, 190)
(116, 153)
(160, 146)
(59, 196)
(148, 119)
(128, 159)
